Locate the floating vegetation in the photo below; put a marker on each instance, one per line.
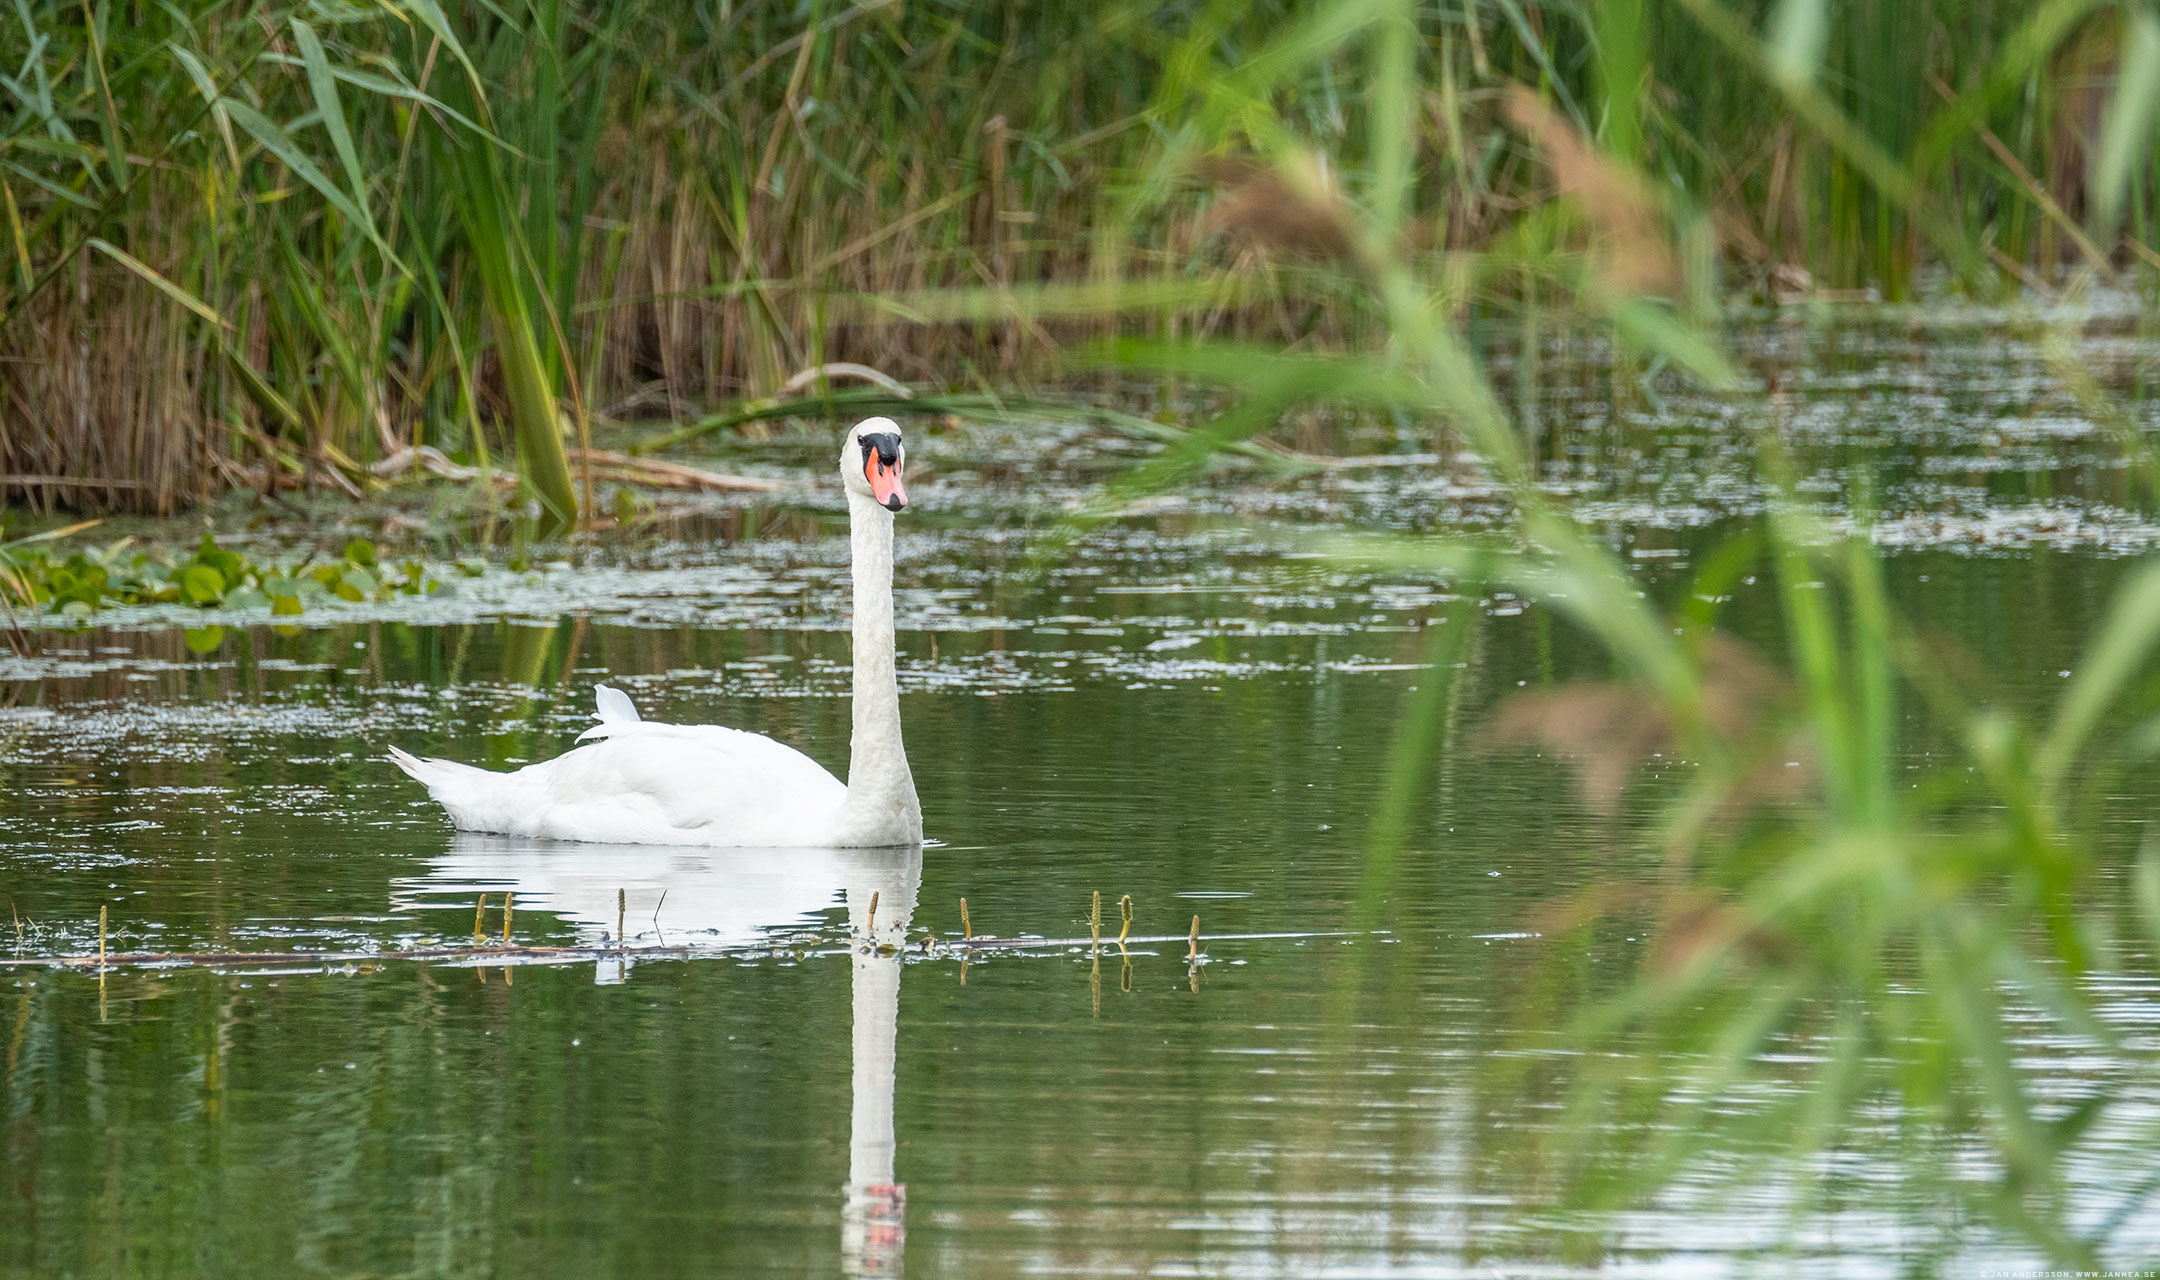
(483, 950)
(208, 577)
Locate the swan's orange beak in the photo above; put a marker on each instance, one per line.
(882, 470)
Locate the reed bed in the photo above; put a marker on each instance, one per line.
(260, 244)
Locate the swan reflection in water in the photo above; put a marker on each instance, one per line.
(734, 898)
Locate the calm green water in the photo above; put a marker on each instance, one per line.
(1190, 710)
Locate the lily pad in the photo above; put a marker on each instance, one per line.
(202, 584)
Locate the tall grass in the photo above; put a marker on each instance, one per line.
(263, 244)
(1898, 940)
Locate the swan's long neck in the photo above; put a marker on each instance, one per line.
(881, 807)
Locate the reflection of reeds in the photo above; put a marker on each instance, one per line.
(488, 949)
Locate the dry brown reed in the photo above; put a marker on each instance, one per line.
(97, 400)
(1607, 729)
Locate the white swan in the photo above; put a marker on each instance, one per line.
(646, 783)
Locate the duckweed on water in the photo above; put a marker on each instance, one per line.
(209, 577)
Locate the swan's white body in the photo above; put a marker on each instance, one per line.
(647, 783)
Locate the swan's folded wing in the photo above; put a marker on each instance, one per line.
(614, 710)
(692, 778)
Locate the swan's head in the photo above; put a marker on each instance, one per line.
(870, 461)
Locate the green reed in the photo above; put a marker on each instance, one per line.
(1898, 937)
(293, 239)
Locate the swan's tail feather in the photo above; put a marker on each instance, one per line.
(413, 765)
(475, 799)
(431, 772)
